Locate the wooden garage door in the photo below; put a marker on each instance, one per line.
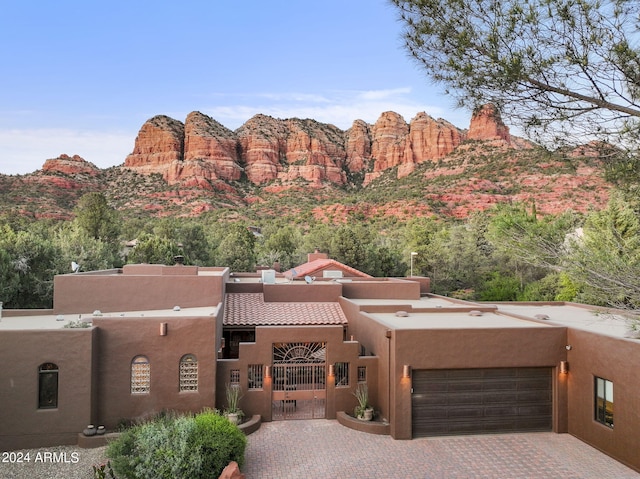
(476, 401)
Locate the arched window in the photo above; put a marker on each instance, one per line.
(140, 375)
(188, 373)
(47, 386)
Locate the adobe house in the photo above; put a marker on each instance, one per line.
(173, 337)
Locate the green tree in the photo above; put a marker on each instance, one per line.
(281, 245)
(500, 288)
(76, 245)
(97, 218)
(528, 240)
(604, 257)
(27, 268)
(153, 249)
(569, 66)
(348, 247)
(237, 249)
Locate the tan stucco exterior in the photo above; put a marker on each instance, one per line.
(164, 313)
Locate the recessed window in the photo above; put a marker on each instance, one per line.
(255, 375)
(140, 375)
(362, 374)
(234, 376)
(604, 401)
(48, 386)
(342, 374)
(188, 373)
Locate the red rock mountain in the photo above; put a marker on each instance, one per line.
(203, 152)
(185, 169)
(70, 165)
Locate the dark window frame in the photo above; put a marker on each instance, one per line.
(48, 382)
(602, 413)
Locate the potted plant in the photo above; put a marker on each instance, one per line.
(233, 412)
(363, 410)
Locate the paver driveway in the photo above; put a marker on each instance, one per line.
(325, 449)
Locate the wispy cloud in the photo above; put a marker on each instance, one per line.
(26, 150)
(372, 95)
(340, 108)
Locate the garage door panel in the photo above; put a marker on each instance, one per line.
(493, 385)
(463, 412)
(534, 383)
(535, 410)
(491, 397)
(500, 411)
(461, 399)
(534, 396)
(475, 401)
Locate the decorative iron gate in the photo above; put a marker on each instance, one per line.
(299, 381)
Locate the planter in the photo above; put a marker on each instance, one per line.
(233, 418)
(367, 414)
(90, 430)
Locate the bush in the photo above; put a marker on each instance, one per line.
(217, 442)
(500, 288)
(177, 447)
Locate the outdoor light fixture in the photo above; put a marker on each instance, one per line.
(332, 371)
(267, 371)
(406, 371)
(163, 329)
(564, 367)
(413, 253)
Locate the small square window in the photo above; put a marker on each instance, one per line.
(362, 374)
(234, 377)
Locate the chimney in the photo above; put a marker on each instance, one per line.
(316, 255)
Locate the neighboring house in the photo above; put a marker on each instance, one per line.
(319, 265)
(173, 337)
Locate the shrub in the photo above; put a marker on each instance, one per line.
(177, 447)
(217, 442)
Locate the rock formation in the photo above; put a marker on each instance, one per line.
(486, 124)
(358, 146)
(262, 142)
(70, 165)
(160, 142)
(203, 152)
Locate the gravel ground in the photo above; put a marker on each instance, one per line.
(61, 462)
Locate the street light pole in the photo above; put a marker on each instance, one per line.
(413, 253)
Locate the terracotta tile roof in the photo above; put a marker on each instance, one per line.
(318, 265)
(250, 309)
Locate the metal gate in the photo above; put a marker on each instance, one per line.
(299, 389)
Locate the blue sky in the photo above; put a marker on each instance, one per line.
(81, 77)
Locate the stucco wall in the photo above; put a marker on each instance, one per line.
(121, 339)
(164, 289)
(22, 424)
(468, 348)
(261, 352)
(301, 292)
(617, 360)
(382, 289)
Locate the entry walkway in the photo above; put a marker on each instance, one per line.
(323, 448)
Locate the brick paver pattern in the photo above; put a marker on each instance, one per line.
(325, 449)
